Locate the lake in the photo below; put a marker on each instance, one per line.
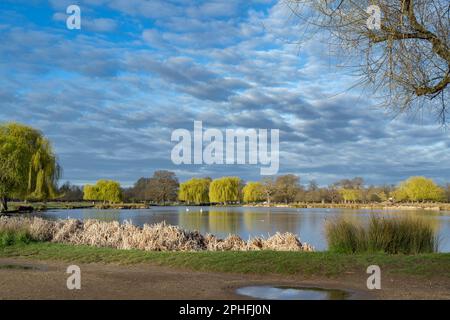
(247, 222)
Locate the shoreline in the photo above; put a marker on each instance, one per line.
(363, 206)
(20, 207)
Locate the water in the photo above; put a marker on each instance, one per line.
(285, 293)
(247, 222)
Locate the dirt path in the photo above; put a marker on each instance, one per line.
(28, 279)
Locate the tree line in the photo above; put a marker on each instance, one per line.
(163, 187)
(29, 171)
(288, 189)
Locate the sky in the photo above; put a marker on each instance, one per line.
(109, 95)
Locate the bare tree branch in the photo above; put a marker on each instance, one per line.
(407, 60)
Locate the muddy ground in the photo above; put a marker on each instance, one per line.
(28, 279)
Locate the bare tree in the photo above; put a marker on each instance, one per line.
(269, 188)
(405, 58)
(287, 187)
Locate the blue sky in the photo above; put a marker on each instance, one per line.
(109, 95)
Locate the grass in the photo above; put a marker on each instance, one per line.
(405, 235)
(17, 242)
(327, 264)
(51, 205)
(12, 237)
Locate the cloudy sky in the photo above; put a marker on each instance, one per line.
(109, 95)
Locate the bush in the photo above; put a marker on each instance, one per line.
(406, 235)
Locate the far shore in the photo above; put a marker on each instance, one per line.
(24, 207)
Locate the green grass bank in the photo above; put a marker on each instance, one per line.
(257, 262)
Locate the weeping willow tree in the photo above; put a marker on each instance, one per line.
(29, 168)
(253, 192)
(195, 191)
(419, 189)
(103, 190)
(225, 190)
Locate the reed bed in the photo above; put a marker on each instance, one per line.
(405, 235)
(156, 237)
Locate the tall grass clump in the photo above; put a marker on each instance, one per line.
(344, 236)
(13, 232)
(405, 235)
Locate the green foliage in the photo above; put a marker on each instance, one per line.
(14, 163)
(195, 191)
(419, 189)
(12, 237)
(90, 192)
(253, 192)
(28, 165)
(350, 195)
(345, 237)
(103, 190)
(406, 235)
(225, 190)
(250, 262)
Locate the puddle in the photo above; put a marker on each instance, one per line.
(292, 293)
(15, 266)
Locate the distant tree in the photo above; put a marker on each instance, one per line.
(287, 187)
(447, 192)
(128, 195)
(163, 186)
(225, 190)
(90, 193)
(103, 190)
(253, 192)
(419, 189)
(140, 190)
(110, 191)
(160, 188)
(269, 189)
(355, 183)
(195, 191)
(332, 194)
(69, 192)
(350, 195)
(28, 165)
(375, 194)
(313, 192)
(301, 195)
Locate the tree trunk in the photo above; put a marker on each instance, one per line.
(4, 204)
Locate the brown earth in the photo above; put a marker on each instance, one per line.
(28, 279)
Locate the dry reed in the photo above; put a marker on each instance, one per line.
(156, 237)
